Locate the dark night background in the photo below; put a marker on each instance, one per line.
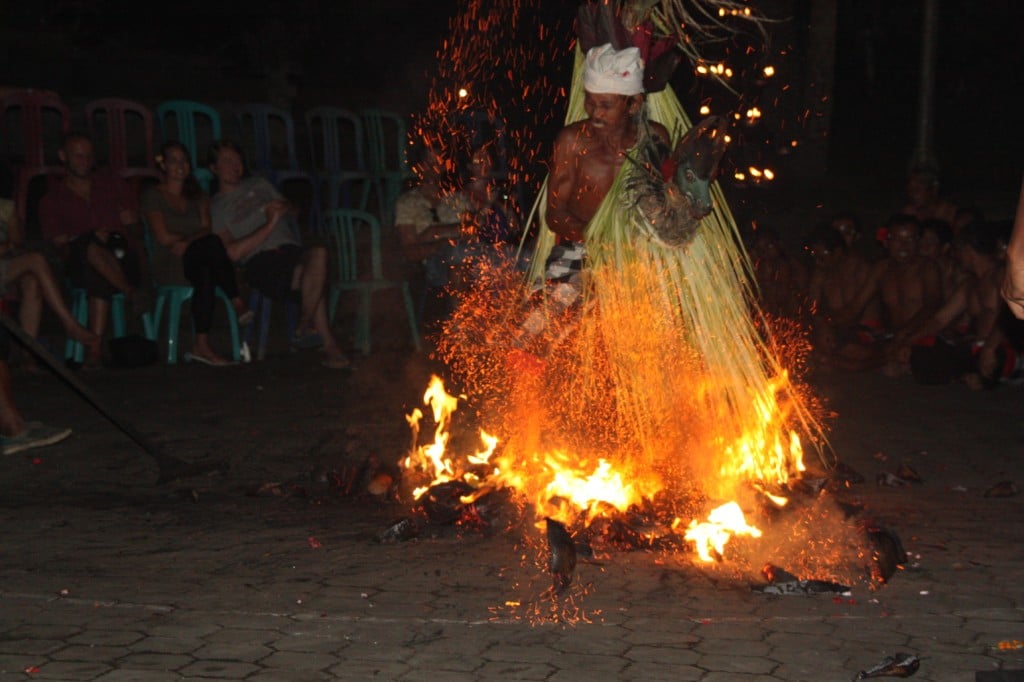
(382, 53)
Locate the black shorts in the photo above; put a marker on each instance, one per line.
(83, 276)
(272, 271)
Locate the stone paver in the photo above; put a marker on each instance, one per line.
(201, 579)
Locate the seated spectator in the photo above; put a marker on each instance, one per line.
(781, 280)
(923, 200)
(17, 435)
(455, 233)
(28, 277)
(185, 248)
(256, 225)
(89, 218)
(428, 219)
(978, 351)
(841, 338)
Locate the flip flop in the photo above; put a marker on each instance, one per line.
(189, 357)
(246, 318)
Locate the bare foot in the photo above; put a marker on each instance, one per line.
(208, 358)
(335, 359)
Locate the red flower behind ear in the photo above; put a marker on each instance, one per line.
(882, 234)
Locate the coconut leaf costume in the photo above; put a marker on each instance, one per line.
(667, 304)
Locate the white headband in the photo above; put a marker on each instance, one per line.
(615, 72)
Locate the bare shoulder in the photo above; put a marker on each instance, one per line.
(569, 136)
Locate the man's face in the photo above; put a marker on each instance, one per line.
(902, 243)
(607, 111)
(228, 167)
(78, 157)
(929, 245)
(847, 229)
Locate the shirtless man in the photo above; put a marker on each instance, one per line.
(838, 278)
(589, 153)
(910, 287)
(980, 354)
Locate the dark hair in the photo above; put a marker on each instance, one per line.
(827, 237)
(73, 135)
(899, 219)
(846, 215)
(213, 153)
(191, 189)
(983, 238)
(942, 229)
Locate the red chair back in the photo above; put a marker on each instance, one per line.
(127, 128)
(35, 108)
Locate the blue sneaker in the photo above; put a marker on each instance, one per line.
(35, 435)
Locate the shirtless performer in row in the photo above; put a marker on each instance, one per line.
(910, 288)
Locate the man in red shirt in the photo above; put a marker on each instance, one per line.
(87, 218)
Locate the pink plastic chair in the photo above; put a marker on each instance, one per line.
(35, 109)
(127, 128)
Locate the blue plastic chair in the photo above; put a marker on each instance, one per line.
(386, 158)
(187, 114)
(257, 123)
(75, 350)
(173, 297)
(336, 150)
(348, 231)
(262, 306)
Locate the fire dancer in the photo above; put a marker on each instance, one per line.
(589, 153)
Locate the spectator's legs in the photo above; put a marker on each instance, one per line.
(30, 311)
(99, 310)
(311, 275)
(107, 266)
(38, 284)
(11, 421)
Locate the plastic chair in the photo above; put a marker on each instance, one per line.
(75, 350)
(26, 202)
(346, 231)
(336, 151)
(260, 120)
(35, 108)
(187, 114)
(387, 162)
(262, 306)
(174, 296)
(127, 128)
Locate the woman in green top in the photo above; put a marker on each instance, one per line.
(178, 213)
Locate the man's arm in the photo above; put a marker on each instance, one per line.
(851, 313)
(1013, 282)
(562, 182)
(931, 301)
(950, 311)
(241, 247)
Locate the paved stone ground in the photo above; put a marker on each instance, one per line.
(105, 575)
